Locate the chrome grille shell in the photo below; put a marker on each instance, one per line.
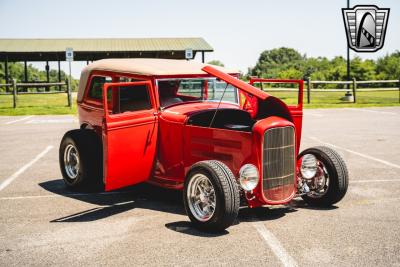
(278, 164)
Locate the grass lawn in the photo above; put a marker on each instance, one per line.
(333, 99)
(57, 103)
(36, 105)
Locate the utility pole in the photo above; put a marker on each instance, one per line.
(348, 96)
(348, 51)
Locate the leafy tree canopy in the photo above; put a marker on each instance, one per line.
(288, 63)
(216, 63)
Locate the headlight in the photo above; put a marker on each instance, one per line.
(248, 177)
(308, 166)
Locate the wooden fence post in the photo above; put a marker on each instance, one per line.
(14, 86)
(308, 90)
(68, 83)
(354, 90)
(399, 90)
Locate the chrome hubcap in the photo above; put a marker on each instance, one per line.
(71, 161)
(320, 182)
(201, 197)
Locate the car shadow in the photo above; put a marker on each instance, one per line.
(185, 227)
(264, 213)
(150, 197)
(300, 203)
(142, 196)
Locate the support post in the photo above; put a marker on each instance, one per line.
(47, 88)
(14, 86)
(25, 71)
(202, 56)
(348, 95)
(69, 95)
(399, 90)
(6, 73)
(25, 75)
(354, 90)
(308, 90)
(59, 75)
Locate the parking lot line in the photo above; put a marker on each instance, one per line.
(314, 114)
(9, 180)
(52, 121)
(67, 195)
(22, 119)
(275, 245)
(372, 111)
(357, 153)
(374, 181)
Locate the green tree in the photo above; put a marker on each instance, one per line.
(16, 71)
(271, 62)
(216, 63)
(290, 64)
(388, 67)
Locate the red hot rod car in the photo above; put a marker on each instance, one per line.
(197, 128)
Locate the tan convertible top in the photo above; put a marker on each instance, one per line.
(144, 66)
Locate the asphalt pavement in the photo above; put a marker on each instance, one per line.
(42, 223)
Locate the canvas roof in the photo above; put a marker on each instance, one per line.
(146, 67)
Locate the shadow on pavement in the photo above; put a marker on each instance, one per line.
(300, 203)
(150, 197)
(264, 213)
(142, 196)
(187, 228)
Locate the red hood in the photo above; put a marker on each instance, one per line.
(236, 82)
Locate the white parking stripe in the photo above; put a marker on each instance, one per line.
(314, 114)
(372, 111)
(358, 153)
(374, 181)
(51, 121)
(275, 245)
(14, 121)
(9, 180)
(67, 195)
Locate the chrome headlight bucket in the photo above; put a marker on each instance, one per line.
(248, 177)
(309, 166)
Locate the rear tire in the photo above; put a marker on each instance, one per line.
(81, 160)
(221, 191)
(338, 176)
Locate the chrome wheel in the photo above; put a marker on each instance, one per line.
(320, 182)
(71, 161)
(201, 197)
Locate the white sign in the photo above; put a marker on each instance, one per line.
(189, 53)
(69, 54)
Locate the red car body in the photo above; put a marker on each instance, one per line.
(159, 145)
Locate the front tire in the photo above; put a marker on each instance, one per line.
(335, 172)
(81, 160)
(211, 196)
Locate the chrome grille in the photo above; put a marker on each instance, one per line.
(278, 163)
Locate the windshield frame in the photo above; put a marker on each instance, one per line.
(208, 78)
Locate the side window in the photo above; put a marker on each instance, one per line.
(96, 86)
(133, 98)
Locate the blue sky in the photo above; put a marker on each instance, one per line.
(238, 30)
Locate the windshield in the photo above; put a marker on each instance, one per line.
(177, 91)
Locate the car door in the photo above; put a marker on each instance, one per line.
(129, 133)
